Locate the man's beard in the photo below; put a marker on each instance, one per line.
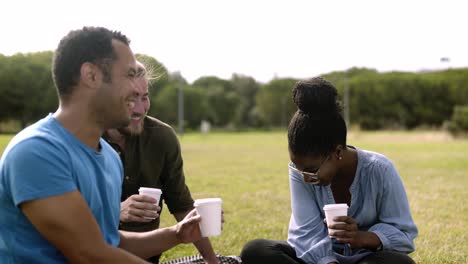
(132, 130)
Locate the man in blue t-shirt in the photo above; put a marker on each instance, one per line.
(60, 183)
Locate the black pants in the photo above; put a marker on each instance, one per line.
(261, 251)
(154, 260)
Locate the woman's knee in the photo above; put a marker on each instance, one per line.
(261, 250)
(254, 248)
(387, 257)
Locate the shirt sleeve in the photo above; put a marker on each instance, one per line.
(396, 229)
(175, 191)
(36, 168)
(307, 231)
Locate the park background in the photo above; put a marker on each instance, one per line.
(417, 116)
(418, 120)
(248, 170)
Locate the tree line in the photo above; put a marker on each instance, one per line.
(375, 100)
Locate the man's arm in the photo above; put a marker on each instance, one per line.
(154, 242)
(203, 246)
(177, 193)
(67, 223)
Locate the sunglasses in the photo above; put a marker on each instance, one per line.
(311, 177)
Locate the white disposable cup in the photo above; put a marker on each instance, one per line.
(152, 192)
(334, 210)
(210, 211)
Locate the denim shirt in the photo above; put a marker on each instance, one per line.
(378, 204)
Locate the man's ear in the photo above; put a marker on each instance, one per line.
(90, 75)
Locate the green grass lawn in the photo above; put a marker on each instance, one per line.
(249, 172)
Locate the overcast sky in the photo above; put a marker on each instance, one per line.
(261, 39)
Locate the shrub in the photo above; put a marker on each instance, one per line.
(458, 124)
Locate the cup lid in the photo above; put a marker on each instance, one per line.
(207, 200)
(151, 190)
(335, 206)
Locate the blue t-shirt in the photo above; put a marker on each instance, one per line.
(378, 204)
(46, 160)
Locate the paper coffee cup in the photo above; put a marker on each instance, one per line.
(210, 211)
(152, 192)
(334, 210)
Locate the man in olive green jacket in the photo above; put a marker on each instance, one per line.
(151, 155)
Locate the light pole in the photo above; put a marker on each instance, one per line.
(180, 107)
(346, 100)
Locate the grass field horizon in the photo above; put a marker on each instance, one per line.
(249, 172)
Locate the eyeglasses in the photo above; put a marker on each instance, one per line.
(312, 177)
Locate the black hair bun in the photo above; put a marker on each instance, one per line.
(316, 96)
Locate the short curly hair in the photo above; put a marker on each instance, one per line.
(90, 44)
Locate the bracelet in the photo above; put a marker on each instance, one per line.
(379, 248)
